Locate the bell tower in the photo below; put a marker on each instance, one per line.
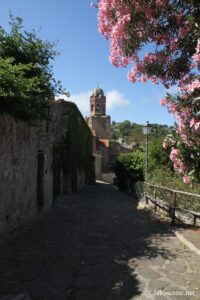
(98, 103)
(98, 121)
(99, 124)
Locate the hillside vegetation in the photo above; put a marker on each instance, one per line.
(131, 133)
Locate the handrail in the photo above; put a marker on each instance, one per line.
(174, 200)
(172, 190)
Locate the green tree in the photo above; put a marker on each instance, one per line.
(134, 163)
(158, 156)
(26, 77)
(125, 127)
(129, 168)
(113, 123)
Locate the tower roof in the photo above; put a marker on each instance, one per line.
(98, 92)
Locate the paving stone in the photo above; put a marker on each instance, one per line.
(6, 296)
(13, 297)
(140, 297)
(19, 297)
(176, 278)
(158, 262)
(58, 296)
(195, 268)
(87, 294)
(38, 289)
(10, 286)
(176, 293)
(24, 276)
(176, 266)
(193, 281)
(103, 268)
(147, 273)
(88, 282)
(95, 245)
(161, 297)
(157, 285)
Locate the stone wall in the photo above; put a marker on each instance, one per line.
(42, 160)
(98, 166)
(18, 171)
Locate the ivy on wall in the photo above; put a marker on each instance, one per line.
(74, 152)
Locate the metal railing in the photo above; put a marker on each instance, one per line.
(175, 200)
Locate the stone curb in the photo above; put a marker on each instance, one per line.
(186, 242)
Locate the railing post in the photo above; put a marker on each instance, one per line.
(173, 208)
(154, 196)
(146, 199)
(145, 194)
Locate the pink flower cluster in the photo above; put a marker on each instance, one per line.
(196, 56)
(187, 179)
(118, 21)
(188, 125)
(195, 125)
(183, 31)
(163, 102)
(186, 110)
(114, 30)
(178, 163)
(173, 44)
(191, 86)
(168, 142)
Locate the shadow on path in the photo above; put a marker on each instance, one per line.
(87, 247)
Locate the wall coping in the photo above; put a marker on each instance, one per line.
(72, 105)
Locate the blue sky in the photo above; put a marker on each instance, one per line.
(84, 59)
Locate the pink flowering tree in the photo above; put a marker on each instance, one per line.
(185, 143)
(172, 28)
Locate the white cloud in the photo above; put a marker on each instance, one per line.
(81, 100)
(114, 99)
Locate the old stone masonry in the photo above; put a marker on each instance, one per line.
(97, 245)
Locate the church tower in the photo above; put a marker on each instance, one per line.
(98, 121)
(99, 124)
(98, 103)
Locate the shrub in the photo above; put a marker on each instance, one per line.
(131, 165)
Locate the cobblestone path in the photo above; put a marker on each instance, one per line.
(96, 245)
